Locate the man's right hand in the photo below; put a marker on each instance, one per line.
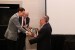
(30, 34)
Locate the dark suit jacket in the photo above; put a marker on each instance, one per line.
(43, 40)
(27, 21)
(21, 34)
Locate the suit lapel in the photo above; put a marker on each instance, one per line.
(20, 20)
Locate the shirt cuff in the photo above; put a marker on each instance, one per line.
(26, 32)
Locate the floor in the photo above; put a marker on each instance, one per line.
(28, 46)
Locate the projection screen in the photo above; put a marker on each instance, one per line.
(62, 16)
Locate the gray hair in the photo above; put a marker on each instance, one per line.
(46, 18)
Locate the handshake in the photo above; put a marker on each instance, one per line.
(32, 32)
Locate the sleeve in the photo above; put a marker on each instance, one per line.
(27, 21)
(40, 37)
(17, 24)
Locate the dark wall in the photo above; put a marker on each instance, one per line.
(5, 14)
(63, 42)
(57, 42)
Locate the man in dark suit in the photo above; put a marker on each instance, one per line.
(43, 39)
(24, 21)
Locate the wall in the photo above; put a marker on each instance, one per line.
(36, 9)
(62, 16)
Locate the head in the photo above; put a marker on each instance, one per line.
(44, 20)
(21, 11)
(26, 14)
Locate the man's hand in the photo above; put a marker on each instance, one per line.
(30, 34)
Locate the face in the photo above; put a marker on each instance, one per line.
(25, 14)
(42, 21)
(21, 13)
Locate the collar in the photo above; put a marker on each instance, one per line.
(42, 25)
(17, 15)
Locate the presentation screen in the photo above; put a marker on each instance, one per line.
(62, 16)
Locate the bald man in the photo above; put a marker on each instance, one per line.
(27, 19)
(24, 21)
(43, 39)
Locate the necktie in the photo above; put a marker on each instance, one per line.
(23, 21)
